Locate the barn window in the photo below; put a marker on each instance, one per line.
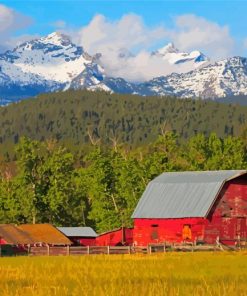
(154, 225)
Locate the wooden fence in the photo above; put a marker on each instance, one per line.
(88, 250)
(72, 250)
(108, 250)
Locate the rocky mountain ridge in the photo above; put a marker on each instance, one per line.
(54, 63)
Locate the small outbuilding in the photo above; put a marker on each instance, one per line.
(16, 239)
(82, 236)
(193, 206)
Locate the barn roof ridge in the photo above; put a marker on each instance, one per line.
(183, 194)
(222, 174)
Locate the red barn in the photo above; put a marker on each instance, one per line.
(118, 237)
(83, 236)
(193, 206)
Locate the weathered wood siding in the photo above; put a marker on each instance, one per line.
(228, 217)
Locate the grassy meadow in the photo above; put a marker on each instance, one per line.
(157, 274)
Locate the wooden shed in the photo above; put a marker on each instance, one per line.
(121, 236)
(82, 236)
(193, 206)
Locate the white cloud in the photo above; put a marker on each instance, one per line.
(12, 42)
(10, 21)
(192, 32)
(141, 67)
(130, 34)
(118, 38)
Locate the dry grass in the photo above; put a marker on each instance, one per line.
(164, 274)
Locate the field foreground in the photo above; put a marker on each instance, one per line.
(162, 274)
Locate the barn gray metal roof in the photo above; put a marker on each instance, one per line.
(78, 231)
(182, 194)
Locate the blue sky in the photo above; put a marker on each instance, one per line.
(225, 19)
(78, 13)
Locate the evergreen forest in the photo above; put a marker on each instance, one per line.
(78, 118)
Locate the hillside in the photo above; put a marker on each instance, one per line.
(73, 117)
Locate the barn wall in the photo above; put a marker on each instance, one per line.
(88, 241)
(148, 231)
(115, 237)
(83, 241)
(227, 218)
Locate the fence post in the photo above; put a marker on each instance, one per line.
(108, 250)
(239, 242)
(129, 250)
(68, 250)
(48, 250)
(164, 247)
(88, 250)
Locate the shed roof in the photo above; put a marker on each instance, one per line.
(182, 194)
(78, 231)
(45, 233)
(14, 235)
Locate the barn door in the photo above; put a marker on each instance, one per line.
(187, 231)
(155, 232)
(241, 227)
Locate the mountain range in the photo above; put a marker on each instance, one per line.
(54, 63)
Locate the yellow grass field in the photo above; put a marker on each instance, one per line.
(162, 274)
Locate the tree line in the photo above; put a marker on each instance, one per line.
(73, 118)
(47, 183)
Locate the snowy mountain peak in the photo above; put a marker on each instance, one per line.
(53, 58)
(56, 38)
(173, 56)
(169, 48)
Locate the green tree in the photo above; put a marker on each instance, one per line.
(105, 203)
(29, 179)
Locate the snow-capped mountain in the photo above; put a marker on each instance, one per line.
(54, 63)
(221, 79)
(170, 53)
(53, 58)
(46, 64)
